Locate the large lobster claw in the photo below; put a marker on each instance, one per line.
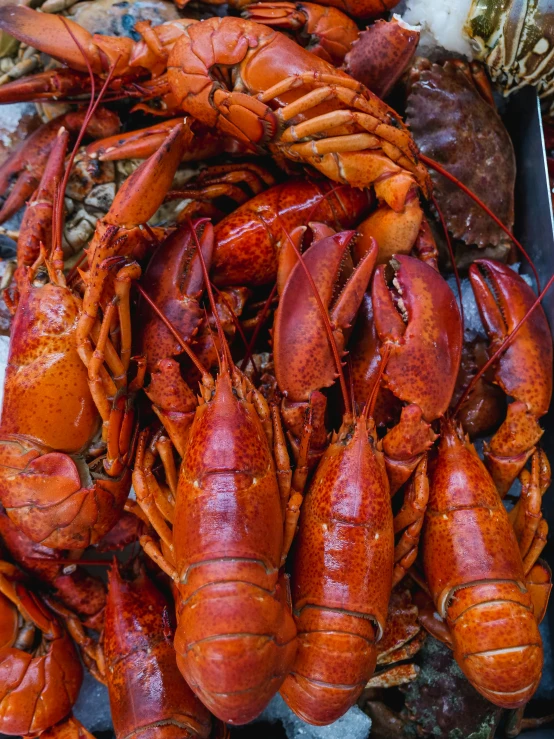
(416, 314)
(174, 281)
(524, 371)
(304, 362)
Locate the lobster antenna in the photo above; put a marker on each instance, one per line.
(92, 106)
(238, 328)
(188, 351)
(445, 173)
(370, 403)
(206, 318)
(451, 252)
(223, 340)
(326, 323)
(502, 348)
(258, 327)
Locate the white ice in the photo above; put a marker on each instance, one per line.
(353, 725)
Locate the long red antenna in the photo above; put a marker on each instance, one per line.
(370, 403)
(191, 355)
(452, 257)
(93, 105)
(445, 173)
(223, 340)
(503, 346)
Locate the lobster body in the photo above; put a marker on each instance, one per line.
(342, 576)
(268, 217)
(148, 695)
(475, 573)
(48, 421)
(235, 639)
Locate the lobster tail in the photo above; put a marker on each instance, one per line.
(257, 644)
(497, 642)
(323, 684)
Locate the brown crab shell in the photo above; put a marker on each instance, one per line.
(452, 124)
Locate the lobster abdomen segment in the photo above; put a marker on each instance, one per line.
(236, 637)
(476, 577)
(342, 577)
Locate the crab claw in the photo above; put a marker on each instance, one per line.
(524, 371)
(419, 317)
(174, 281)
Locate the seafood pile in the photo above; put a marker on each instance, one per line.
(246, 391)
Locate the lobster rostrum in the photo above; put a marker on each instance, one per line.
(148, 695)
(235, 638)
(40, 672)
(282, 96)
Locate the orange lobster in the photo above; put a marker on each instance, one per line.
(489, 589)
(235, 638)
(148, 695)
(490, 599)
(343, 556)
(287, 99)
(40, 672)
(52, 484)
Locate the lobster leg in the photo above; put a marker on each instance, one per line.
(135, 203)
(149, 494)
(292, 509)
(409, 520)
(526, 515)
(91, 652)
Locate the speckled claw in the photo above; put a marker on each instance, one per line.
(524, 371)
(304, 361)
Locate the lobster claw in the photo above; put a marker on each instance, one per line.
(524, 371)
(51, 34)
(304, 361)
(174, 281)
(417, 316)
(303, 358)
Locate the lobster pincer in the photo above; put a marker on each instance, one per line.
(524, 370)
